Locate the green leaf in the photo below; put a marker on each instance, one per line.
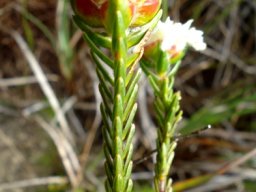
(128, 158)
(218, 112)
(103, 84)
(119, 47)
(105, 101)
(132, 84)
(129, 186)
(130, 103)
(108, 187)
(105, 120)
(127, 179)
(163, 62)
(129, 141)
(118, 142)
(250, 186)
(103, 71)
(143, 188)
(101, 40)
(64, 50)
(160, 116)
(118, 109)
(161, 158)
(132, 77)
(174, 69)
(118, 180)
(154, 85)
(196, 181)
(132, 58)
(40, 25)
(109, 173)
(129, 121)
(172, 110)
(159, 102)
(97, 51)
(165, 91)
(170, 154)
(137, 35)
(109, 158)
(119, 7)
(108, 141)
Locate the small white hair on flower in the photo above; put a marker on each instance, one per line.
(178, 36)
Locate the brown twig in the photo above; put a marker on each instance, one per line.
(237, 162)
(54, 180)
(96, 122)
(68, 157)
(44, 84)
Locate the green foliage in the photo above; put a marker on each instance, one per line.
(118, 89)
(161, 73)
(64, 50)
(250, 186)
(241, 102)
(62, 47)
(165, 6)
(209, 27)
(40, 25)
(55, 188)
(27, 29)
(168, 114)
(190, 183)
(143, 188)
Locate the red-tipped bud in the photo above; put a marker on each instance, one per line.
(145, 11)
(94, 12)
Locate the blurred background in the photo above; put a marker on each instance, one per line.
(50, 135)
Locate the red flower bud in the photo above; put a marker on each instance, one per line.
(94, 11)
(145, 11)
(90, 10)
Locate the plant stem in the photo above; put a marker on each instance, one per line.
(118, 76)
(165, 6)
(118, 136)
(168, 114)
(64, 50)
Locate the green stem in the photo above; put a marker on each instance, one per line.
(168, 114)
(165, 6)
(64, 50)
(118, 89)
(118, 137)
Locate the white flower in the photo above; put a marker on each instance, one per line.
(177, 36)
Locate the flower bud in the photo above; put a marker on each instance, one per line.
(94, 12)
(145, 11)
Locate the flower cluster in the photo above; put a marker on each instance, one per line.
(174, 38)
